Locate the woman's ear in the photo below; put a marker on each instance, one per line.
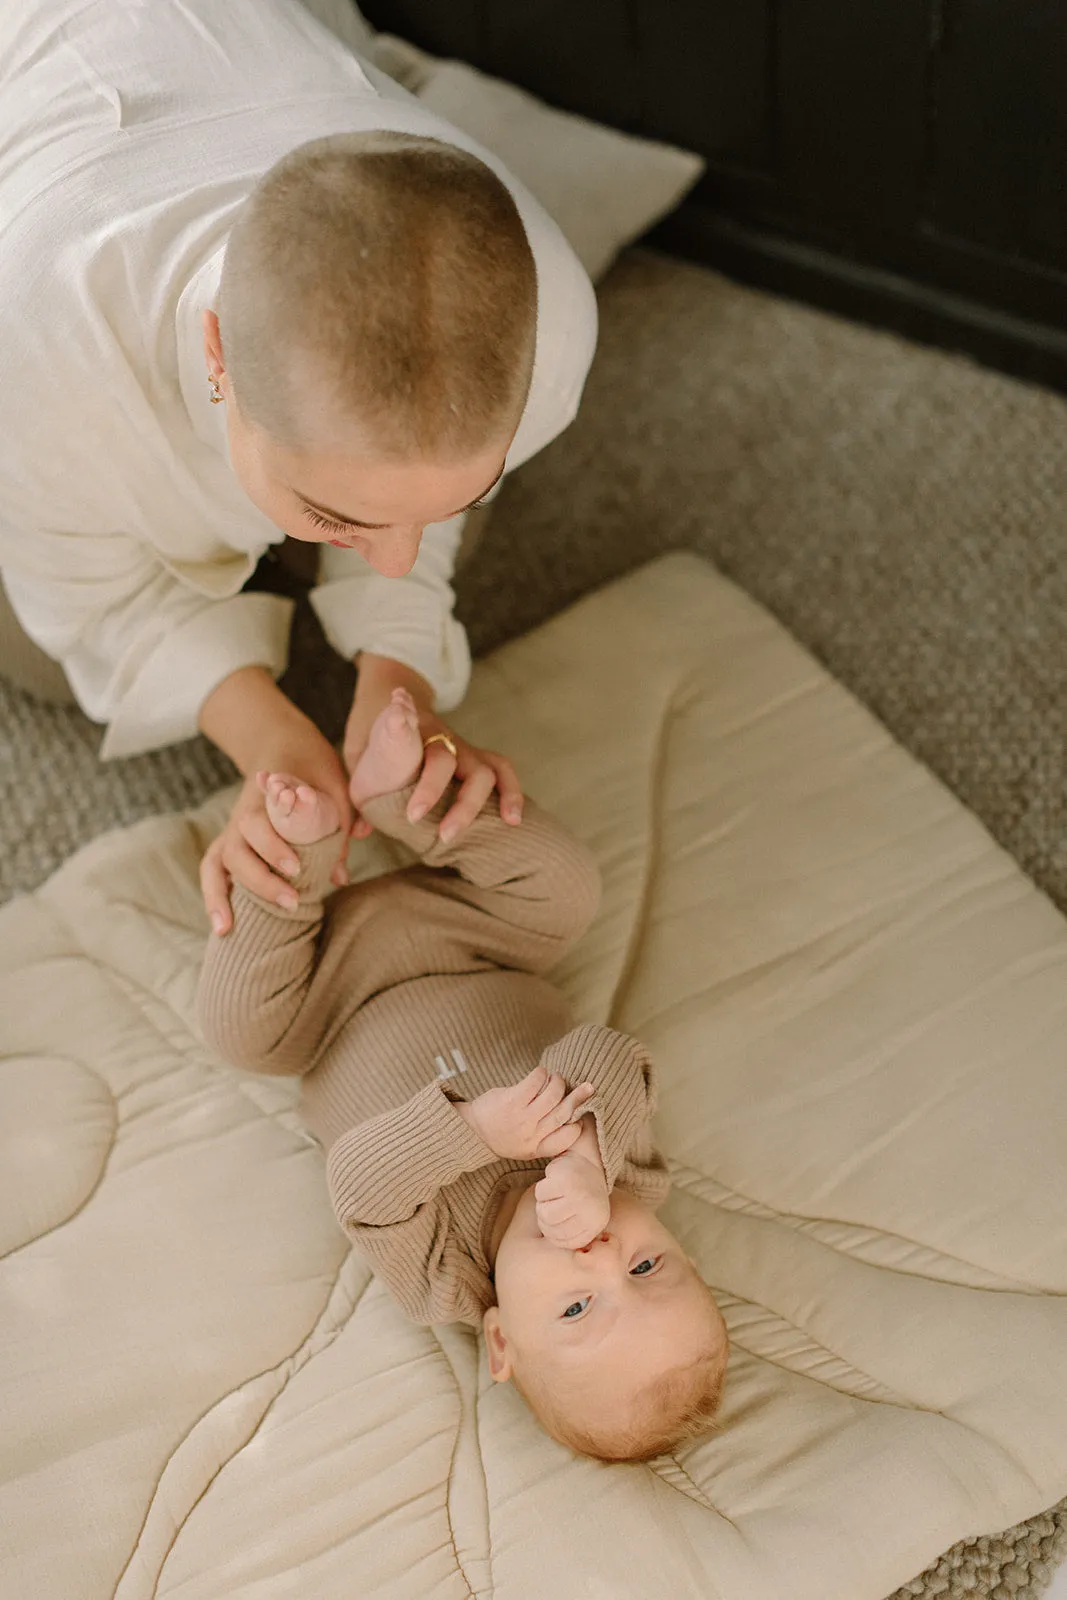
(213, 344)
(497, 1348)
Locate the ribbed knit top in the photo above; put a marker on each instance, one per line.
(397, 997)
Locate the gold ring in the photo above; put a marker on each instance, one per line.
(445, 739)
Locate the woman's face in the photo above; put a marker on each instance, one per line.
(347, 498)
(342, 493)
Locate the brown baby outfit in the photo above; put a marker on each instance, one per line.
(395, 998)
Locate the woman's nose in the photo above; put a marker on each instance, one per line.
(601, 1238)
(394, 554)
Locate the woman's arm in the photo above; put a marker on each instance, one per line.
(156, 660)
(142, 650)
(405, 620)
(402, 635)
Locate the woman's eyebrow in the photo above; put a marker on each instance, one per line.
(354, 522)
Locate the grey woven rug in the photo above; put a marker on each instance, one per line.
(902, 512)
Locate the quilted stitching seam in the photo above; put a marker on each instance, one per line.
(460, 1568)
(286, 1370)
(687, 1179)
(183, 1041)
(27, 1244)
(628, 965)
(672, 1472)
(887, 1396)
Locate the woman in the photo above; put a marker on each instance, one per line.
(252, 290)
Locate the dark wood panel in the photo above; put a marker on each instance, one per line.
(946, 265)
(1026, 347)
(455, 28)
(706, 73)
(903, 161)
(999, 134)
(851, 92)
(577, 56)
(681, 70)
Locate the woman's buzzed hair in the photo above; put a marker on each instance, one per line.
(384, 281)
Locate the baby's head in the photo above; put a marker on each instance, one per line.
(618, 1349)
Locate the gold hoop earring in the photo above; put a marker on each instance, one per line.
(217, 396)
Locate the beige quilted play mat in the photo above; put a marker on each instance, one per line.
(860, 1011)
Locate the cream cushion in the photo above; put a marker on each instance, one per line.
(859, 1007)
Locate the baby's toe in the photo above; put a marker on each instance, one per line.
(283, 799)
(397, 721)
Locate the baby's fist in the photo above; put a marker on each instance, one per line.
(572, 1201)
(534, 1118)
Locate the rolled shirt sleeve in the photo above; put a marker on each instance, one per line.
(141, 649)
(406, 619)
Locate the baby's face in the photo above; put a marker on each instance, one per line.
(629, 1304)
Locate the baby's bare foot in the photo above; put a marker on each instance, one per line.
(393, 757)
(301, 815)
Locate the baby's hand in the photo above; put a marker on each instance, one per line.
(573, 1204)
(534, 1118)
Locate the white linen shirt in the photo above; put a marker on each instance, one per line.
(131, 132)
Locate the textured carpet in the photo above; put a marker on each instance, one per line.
(901, 511)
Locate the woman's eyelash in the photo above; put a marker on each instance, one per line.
(324, 522)
(330, 526)
(651, 1262)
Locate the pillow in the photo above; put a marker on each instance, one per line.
(602, 187)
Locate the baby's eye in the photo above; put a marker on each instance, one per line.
(643, 1268)
(576, 1308)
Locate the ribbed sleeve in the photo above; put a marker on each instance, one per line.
(380, 1172)
(428, 1265)
(622, 1071)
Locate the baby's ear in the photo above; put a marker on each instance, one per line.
(497, 1349)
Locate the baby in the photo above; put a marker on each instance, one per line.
(493, 1162)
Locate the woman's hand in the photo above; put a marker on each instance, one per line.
(477, 772)
(248, 851)
(250, 718)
